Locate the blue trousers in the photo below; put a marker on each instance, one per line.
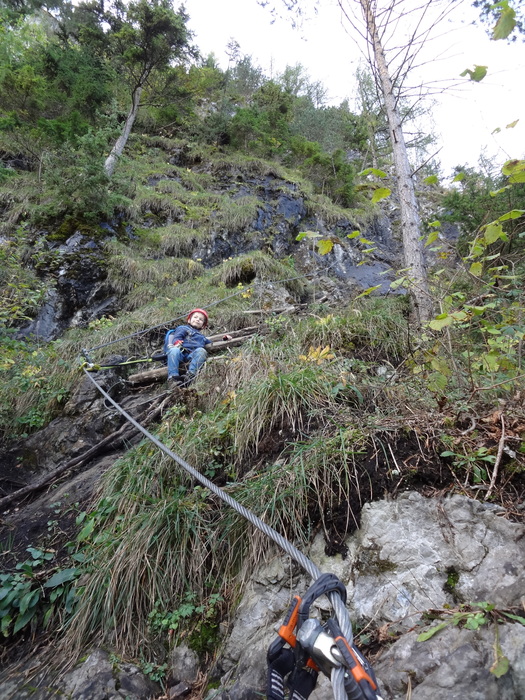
(176, 355)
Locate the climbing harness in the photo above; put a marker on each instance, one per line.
(312, 647)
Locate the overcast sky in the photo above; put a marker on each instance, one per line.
(464, 119)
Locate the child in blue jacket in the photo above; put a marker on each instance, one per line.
(186, 344)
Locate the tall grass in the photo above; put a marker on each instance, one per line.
(249, 266)
(374, 328)
(128, 271)
(155, 537)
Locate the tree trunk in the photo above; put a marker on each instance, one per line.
(410, 221)
(116, 151)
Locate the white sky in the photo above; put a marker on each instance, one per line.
(463, 120)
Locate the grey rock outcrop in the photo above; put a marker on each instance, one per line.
(97, 678)
(409, 555)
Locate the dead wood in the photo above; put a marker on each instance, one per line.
(280, 310)
(124, 434)
(235, 334)
(158, 375)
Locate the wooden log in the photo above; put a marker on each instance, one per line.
(158, 375)
(280, 310)
(235, 334)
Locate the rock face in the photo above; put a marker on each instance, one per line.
(409, 556)
(80, 292)
(98, 678)
(80, 295)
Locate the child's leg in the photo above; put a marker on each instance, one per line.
(174, 356)
(197, 358)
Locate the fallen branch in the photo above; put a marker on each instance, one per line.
(158, 375)
(498, 459)
(281, 310)
(235, 334)
(125, 433)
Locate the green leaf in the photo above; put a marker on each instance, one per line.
(324, 246)
(373, 171)
(513, 166)
(47, 616)
(459, 177)
(501, 189)
(432, 236)
(506, 22)
(22, 620)
(4, 626)
(476, 269)
(398, 283)
(477, 74)
(431, 180)
(492, 233)
(354, 234)
(28, 601)
(438, 323)
(86, 531)
(514, 214)
(437, 382)
(61, 577)
(514, 617)
(475, 621)
(368, 291)
(500, 667)
(381, 193)
(431, 632)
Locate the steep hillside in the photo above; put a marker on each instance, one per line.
(363, 396)
(333, 401)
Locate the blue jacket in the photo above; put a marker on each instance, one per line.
(191, 337)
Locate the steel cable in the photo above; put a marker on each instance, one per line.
(340, 611)
(183, 315)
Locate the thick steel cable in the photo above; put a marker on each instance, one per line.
(183, 315)
(341, 613)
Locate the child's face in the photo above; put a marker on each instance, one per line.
(197, 320)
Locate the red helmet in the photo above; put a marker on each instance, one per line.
(198, 311)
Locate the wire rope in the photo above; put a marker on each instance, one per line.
(341, 613)
(183, 315)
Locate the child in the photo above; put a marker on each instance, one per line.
(186, 344)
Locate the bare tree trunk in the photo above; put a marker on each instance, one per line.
(410, 221)
(120, 144)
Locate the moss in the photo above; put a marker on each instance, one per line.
(452, 581)
(70, 225)
(371, 564)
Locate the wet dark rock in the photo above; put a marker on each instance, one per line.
(67, 437)
(80, 295)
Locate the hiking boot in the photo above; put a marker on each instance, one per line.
(175, 380)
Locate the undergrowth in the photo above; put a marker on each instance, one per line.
(283, 435)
